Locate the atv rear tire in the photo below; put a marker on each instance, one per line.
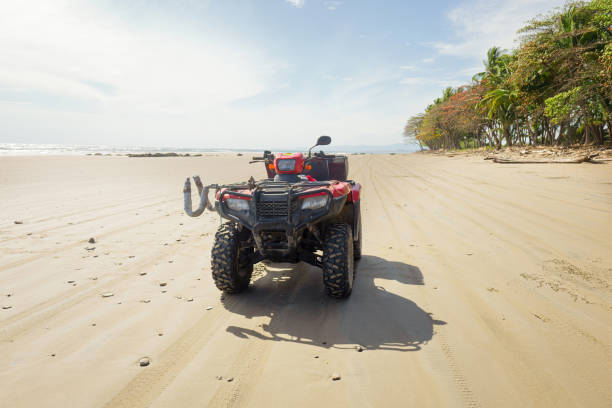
(231, 266)
(338, 262)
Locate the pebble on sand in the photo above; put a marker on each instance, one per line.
(90, 248)
(70, 281)
(219, 377)
(359, 348)
(6, 307)
(145, 301)
(163, 283)
(92, 240)
(145, 361)
(335, 377)
(143, 273)
(108, 294)
(230, 379)
(18, 222)
(208, 307)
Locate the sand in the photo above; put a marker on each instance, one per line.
(481, 284)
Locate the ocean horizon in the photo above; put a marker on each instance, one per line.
(41, 149)
(35, 149)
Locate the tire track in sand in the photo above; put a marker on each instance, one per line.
(99, 217)
(63, 248)
(448, 355)
(29, 319)
(246, 368)
(250, 361)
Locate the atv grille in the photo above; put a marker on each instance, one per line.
(274, 208)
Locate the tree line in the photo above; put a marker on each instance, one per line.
(554, 89)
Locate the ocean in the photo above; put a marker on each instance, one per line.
(28, 149)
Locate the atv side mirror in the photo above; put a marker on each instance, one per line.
(321, 141)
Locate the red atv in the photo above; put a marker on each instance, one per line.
(306, 210)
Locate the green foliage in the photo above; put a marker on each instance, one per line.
(560, 107)
(555, 88)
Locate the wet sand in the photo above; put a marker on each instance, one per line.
(481, 284)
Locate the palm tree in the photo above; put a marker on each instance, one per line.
(501, 104)
(495, 66)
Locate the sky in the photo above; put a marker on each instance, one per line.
(238, 73)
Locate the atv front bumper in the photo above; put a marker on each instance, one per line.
(277, 237)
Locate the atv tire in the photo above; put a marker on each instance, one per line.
(231, 265)
(338, 262)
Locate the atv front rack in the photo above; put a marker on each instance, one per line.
(205, 203)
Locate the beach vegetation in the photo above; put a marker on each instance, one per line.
(554, 89)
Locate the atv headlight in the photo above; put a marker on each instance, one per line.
(312, 203)
(286, 165)
(237, 204)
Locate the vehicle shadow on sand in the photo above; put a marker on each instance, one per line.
(299, 311)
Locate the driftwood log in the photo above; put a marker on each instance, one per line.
(585, 159)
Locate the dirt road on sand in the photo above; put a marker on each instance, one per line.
(480, 285)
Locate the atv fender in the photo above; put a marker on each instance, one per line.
(356, 217)
(356, 199)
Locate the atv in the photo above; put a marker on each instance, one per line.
(306, 210)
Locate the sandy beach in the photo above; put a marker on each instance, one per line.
(481, 284)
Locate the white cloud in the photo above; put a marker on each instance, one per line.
(481, 24)
(413, 81)
(83, 73)
(408, 68)
(51, 49)
(73, 72)
(332, 4)
(428, 81)
(296, 3)
(428, 60)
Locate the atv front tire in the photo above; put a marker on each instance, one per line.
(338, 262)
(231, 265)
